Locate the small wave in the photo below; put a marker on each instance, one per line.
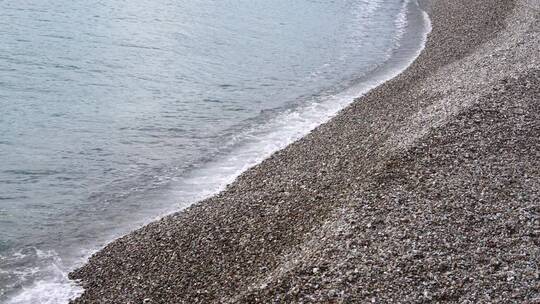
(44, 284)
(402, 21)
(58, 289)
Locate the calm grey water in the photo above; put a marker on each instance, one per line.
(115, 112)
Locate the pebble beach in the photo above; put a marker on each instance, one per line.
(426, 189)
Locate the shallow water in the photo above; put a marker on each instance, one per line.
(114, 113)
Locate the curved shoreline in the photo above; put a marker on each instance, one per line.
(369, 206)
(302, 117)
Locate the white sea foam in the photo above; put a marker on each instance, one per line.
(258, 143)
(57, 288)
(54, 286)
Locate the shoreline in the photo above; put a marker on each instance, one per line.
(402, 55)
(316, 221)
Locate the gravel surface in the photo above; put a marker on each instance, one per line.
(427, 189)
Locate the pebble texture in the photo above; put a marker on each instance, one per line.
(427, 189)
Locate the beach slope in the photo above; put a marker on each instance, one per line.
(425, 189)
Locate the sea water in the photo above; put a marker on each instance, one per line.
(114, 113)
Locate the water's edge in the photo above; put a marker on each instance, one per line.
(413, 41)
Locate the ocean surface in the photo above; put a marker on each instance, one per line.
(114, 113)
